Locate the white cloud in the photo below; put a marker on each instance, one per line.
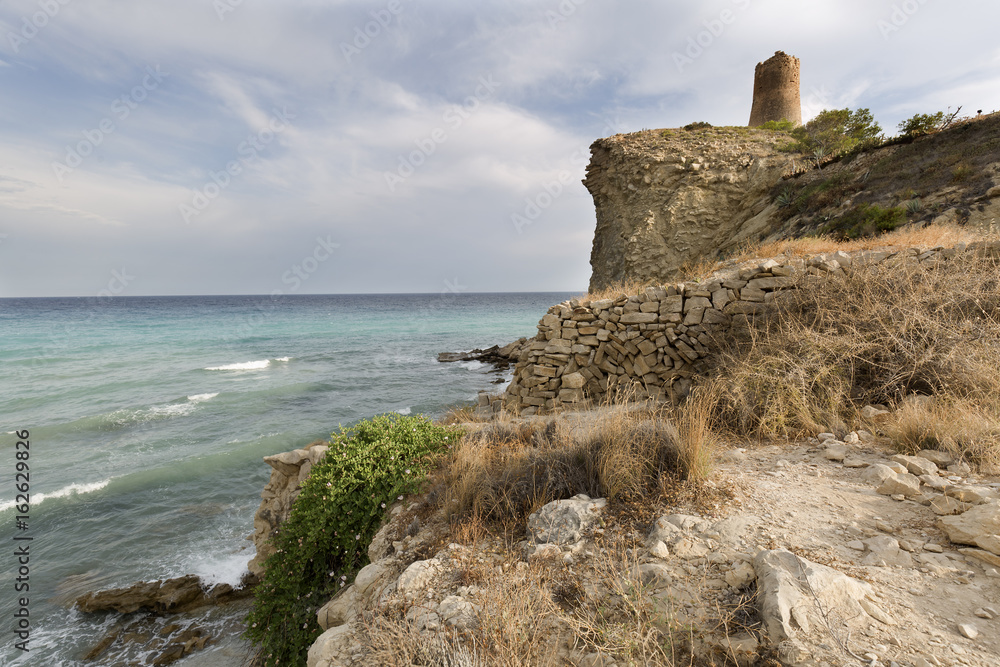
(565, 72)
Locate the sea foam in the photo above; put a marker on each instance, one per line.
(71, 490)
(245, 366)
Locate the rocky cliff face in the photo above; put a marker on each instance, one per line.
(666, 198)
(669, 197)
(288, 471)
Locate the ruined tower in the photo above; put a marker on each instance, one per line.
(776, 90)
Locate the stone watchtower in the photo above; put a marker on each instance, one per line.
(776, 90)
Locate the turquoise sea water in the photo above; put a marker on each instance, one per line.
(149, 417)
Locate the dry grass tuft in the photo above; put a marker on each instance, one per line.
(619, 289)
(506, 471)
(874, 336)
(966, 429)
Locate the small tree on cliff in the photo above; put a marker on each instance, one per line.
(836, 131)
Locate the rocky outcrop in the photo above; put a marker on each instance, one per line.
(160, 597)
(669, 197)
(500, 357)
(288, 471)
(666, 198)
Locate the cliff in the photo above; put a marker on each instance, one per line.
(669, 198)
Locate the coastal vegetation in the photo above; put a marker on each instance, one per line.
(368, 467)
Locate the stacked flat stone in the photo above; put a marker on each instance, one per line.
(651, 345)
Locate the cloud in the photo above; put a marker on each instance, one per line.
(416, 137)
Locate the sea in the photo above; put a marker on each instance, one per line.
(148, 418)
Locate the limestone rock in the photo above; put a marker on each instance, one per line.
(990, 543)
(974, 495)
(937, 457)
(741, 575)
(878, 473)
(369, 576)
(968, 630)
(565, 521)
(884, 551)
(835, 452)
(458, 612)
(916, 465)
(945, 506)
(904, 484)
(340, 609)
(968, 526)
(332, 648)
(647, 229)
(417, 577)
(871, 413)
(794, 593)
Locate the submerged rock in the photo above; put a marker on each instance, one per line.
(167, 596)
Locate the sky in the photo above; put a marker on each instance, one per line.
(160, 147)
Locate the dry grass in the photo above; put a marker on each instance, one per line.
(910, 236)
(619, 289)
(460, 414)
(514, 626)
(508, 470)
(963, 428)
(526, 613)
(874, 336)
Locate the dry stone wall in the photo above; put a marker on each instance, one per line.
(654, 343)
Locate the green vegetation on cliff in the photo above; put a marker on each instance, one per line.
(323, 543)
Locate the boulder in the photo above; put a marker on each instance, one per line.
(795, 594)
(878, 473)
(417, 577)
(332, 648)
(916, 465)
(967, 527)
(339, 610)
(937, 457)
(974, 495)
(902, 484)
(565, 521)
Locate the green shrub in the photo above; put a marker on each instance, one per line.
(323, 543)
(921, 123)
(865, 220)
(778, 125)
(700, 125)
(835, 132)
